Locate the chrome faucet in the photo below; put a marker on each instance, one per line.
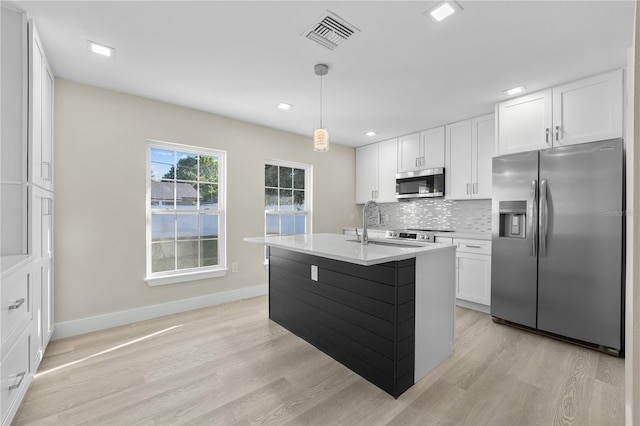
(364, 240)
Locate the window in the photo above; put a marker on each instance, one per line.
(185, 213)
(287, 198)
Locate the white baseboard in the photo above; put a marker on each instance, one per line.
(115, 319)
(475, 306)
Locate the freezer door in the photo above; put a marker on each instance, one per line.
(581, 225)
(514, 241)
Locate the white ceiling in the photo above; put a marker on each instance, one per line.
(400, 74)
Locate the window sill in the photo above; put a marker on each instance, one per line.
(184, 277)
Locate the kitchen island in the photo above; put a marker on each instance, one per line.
(384, 311)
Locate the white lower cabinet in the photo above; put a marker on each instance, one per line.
(42, 248)
(17, 328)
(16, 376)
(16, 302)
(473, 272)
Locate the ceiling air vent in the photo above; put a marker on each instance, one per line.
(330, 31)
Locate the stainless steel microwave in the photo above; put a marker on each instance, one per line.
(420, 184)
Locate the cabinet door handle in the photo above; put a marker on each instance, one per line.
(16, 303)
(17, 385)
(422, 161)
(468, 188)
(470, 246)
(557, 133)
(417, 159)
(475, 187)
(46, 206)
(46, 170)
(546, 137)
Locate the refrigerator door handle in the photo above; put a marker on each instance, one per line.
(544, 218)
(533, 218)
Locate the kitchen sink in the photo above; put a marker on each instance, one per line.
(386, 243)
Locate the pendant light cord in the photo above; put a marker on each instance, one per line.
(321, 101)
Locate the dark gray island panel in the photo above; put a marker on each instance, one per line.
(362, 316)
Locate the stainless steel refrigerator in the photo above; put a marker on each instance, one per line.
(557, 245)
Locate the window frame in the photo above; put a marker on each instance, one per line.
(308, 189)
(201, 272)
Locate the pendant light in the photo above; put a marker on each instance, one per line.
(321, 135)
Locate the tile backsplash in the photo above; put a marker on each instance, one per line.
(473, 216)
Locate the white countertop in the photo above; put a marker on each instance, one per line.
(337, 247)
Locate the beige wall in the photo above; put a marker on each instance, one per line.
(100, 195)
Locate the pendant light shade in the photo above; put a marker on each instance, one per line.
(321, 140)
(321, 135)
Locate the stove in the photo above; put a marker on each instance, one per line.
(420, 235)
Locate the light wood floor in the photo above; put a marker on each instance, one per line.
(230, 365)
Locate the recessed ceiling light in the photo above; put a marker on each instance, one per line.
(443, 10)
(370, 133)
(101, 49)
(285, 106)
(515, 90)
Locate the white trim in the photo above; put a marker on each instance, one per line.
(115, 319)
(178, 276)
(181, 277)
(473, 305)
(308, 189)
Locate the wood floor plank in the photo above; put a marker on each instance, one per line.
(229, 364)
(431, 406)
(576, 389)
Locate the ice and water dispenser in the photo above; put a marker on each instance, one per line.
(513, 219)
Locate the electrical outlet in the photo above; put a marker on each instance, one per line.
(234, 267)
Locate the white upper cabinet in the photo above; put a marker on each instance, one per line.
(13, 146)
(432, 144)
(458, 160)
(419, 151)
(14, 97)
(409, 153)
(469, 152)
(587, 110)
(376, 172)
(387, 153)
(366, 173)
(524, 124)
(41, 84)
(483, 142)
